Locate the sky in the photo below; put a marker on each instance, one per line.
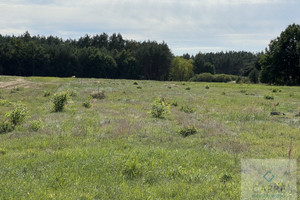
(187, 26)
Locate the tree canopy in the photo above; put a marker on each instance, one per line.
(281, 61)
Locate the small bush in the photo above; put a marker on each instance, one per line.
(2, 151)
(207, 87)
(187, 131)
(72, 93)
(269, 97)
(188, 88)
(187, 109)
(174, 103)
(6, 127)
(59, 101)
(159, 108)
(17, 89)
(47, 93)
(139, 87)
(18, 115)
(98, 95)
(135, 83)
(87, 104)
(204, 77)
(4, 102)
(132, 168)
(223, 78)
(36, 125)
(274, 90)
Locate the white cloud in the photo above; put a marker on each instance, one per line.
(185, 25)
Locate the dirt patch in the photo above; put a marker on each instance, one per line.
(19, 82)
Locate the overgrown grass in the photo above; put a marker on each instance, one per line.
(117, 150)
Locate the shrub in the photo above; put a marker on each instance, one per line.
(207, 87)
(18, 115)
(72, 93)
(269, 97)
(6, 127)
(222, 78)
(187, 131)
(132, 168)
(36, 125)
(135, 83)
(159, 108)
(242, 79)
(17, 89)
(47, 93)
(207, 77)
(188, 88)
(253, 76)
(87, 104)
(274, 90)
(98, 95)
(174, 103)
(204, 77)
(4, 102)
(187, 109)
(59, 101)
(2, 151)
(139, 87)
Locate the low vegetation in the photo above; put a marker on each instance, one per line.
(139, 144)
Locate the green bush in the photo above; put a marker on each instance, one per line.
(204, 77)
(4, 102)
(6, 127)
(187, 131)
(36, 125)
(18, 115)
(87, 104)
(59, 101)
(2, 151)
(159, 108)
(174, 103)
(47, 93)
(269, 97)
(223, 78)
(187, 109)
(72, 93)
(188, 88)
(132, 168)
(274, 90)
(17, 89)
(135, 83)
(208, 77)
(139, 87)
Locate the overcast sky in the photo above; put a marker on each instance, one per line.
(187, 26)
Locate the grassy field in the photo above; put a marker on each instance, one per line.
(116, 150)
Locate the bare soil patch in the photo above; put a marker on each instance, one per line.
(19, 82)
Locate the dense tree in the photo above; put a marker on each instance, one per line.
(181, 70)
(154, 60)
(104, 56)
(281, 62)
(226, 63)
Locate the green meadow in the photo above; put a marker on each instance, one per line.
(112, 148)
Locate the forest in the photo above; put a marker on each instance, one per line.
(104, 56)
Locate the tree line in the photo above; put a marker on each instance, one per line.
(104, 56)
